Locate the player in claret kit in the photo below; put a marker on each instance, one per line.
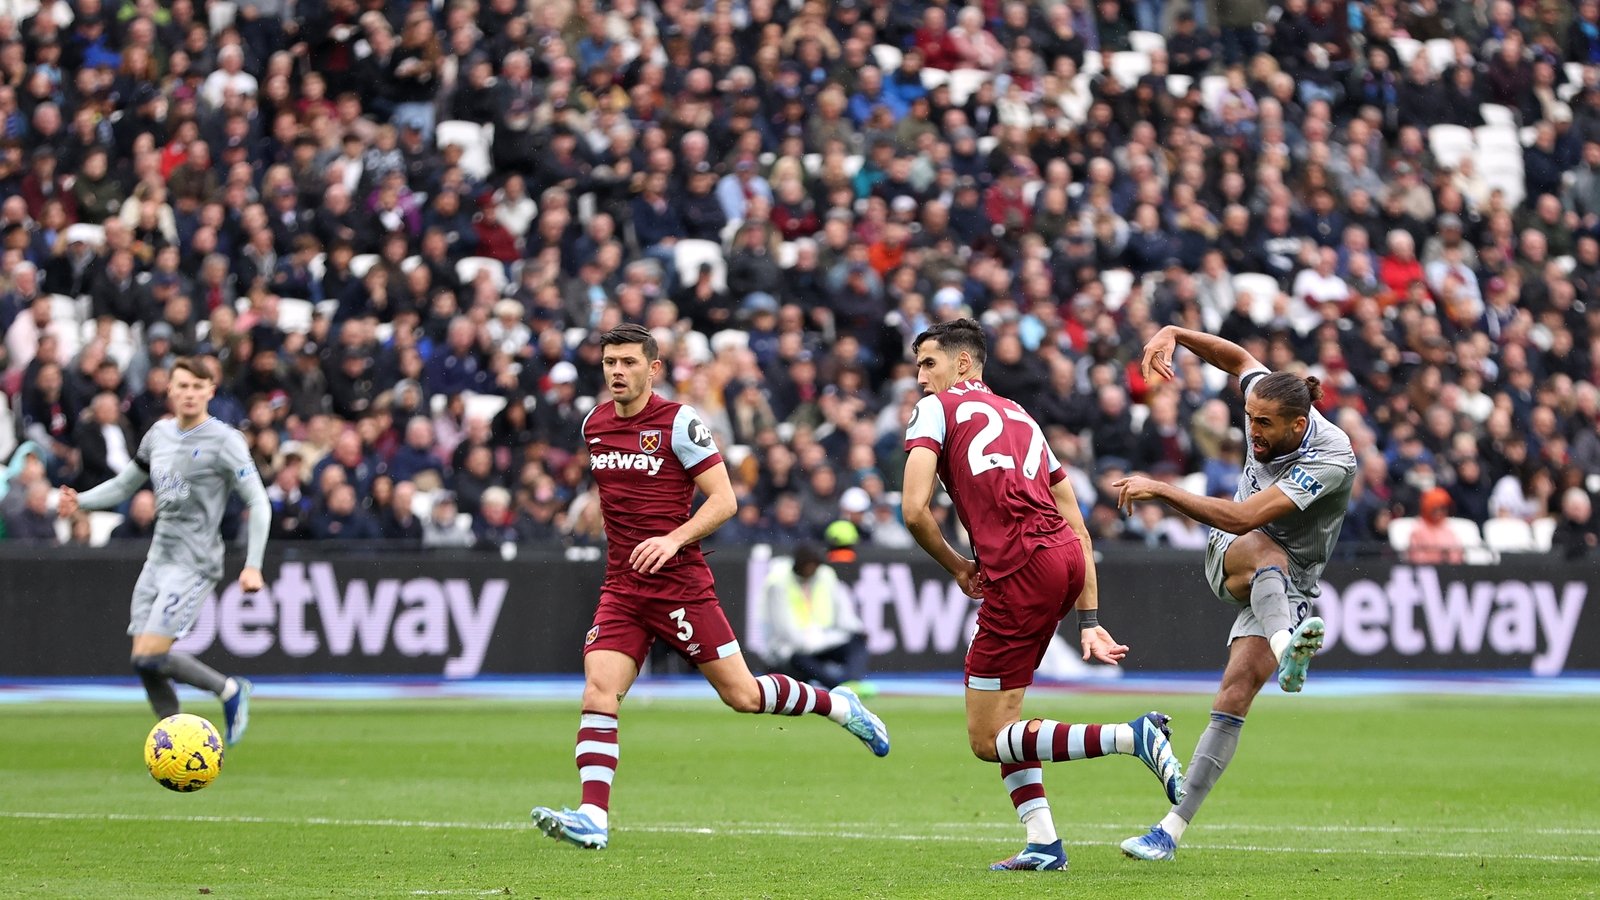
(1032, 565)
(647, 455)
(1267, 549)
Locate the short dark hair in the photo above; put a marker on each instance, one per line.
(194, 365)
(1293, 394)
(955, 336)
(633, 334)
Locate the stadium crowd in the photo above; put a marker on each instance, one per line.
(395, 230)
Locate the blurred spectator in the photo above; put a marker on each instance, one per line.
(1576, 533)
(1432, 541)
(33, 521)
(140, 522)
(445, 526)
(813, 629)
(341, 519)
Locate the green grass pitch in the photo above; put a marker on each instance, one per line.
(1404, 796)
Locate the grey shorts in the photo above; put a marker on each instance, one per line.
(167, 600)
(1246, 624)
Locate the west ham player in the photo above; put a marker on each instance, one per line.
(193, 461)
(1268, 547)
(647, 455)
(1033, 564)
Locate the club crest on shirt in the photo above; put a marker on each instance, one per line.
(593, 633)
(650, 441)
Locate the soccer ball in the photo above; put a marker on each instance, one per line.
(183, 753)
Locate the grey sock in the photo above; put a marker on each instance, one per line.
(163, 699)
(1269, 599)
(1211, 755)
(189, 670)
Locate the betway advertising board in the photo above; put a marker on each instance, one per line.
(460, 615)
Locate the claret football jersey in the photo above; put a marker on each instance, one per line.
(645, 466)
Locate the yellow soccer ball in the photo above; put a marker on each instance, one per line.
(183, 753)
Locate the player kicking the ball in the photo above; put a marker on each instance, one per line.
(647, 455)
(193, 461)
(1267, 549)
(1033, 565)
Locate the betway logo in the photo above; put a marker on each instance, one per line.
(616, 459)
(1415, 614)
(414, 616)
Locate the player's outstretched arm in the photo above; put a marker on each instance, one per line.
(651, 554)
(916, 506)
(1225, 355)
(1234, 517)
(104, 495)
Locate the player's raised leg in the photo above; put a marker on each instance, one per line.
(1257, 568)
(781, 695)
(608, 674)
(1250, 665)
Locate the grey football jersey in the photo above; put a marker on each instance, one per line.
(192, 473)
(1317, 476)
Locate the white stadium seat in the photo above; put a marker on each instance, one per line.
(468, 270)
(361, 263)
(101, 523)
(1400, 533)
(294, 316)
(1544, 533)
(965, 82)
(689, 255)
(1441, 54)
(473, 139)
(1465, 531)
(1146, 42)
(1450, 143)
(887, 56)
(1495, 114)
(1505, 535)
(1129, 67)
(1406, 48)
(484, 406)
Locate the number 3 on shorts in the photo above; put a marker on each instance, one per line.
(685, 630)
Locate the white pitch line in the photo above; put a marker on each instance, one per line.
(771, 831)
(1311, 829)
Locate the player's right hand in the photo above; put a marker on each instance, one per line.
(1157, 361)
(67, 504)
(970, 580)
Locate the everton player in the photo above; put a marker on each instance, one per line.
(647, 455)
(1031, 565)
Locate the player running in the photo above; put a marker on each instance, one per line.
(193, 461)
(647, 455)
(1033, 564)
(1267, 549)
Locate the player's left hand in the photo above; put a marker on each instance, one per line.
(250, 580)
(651, 554)
(1101, 647)
(1135, 488)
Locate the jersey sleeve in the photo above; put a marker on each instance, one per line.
(235, 456)
(926, 428)
(1308, 480)
(147, 450)
(692, 442)
(1057, 471)
(1247, 381)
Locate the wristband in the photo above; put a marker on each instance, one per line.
(1088, 618)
